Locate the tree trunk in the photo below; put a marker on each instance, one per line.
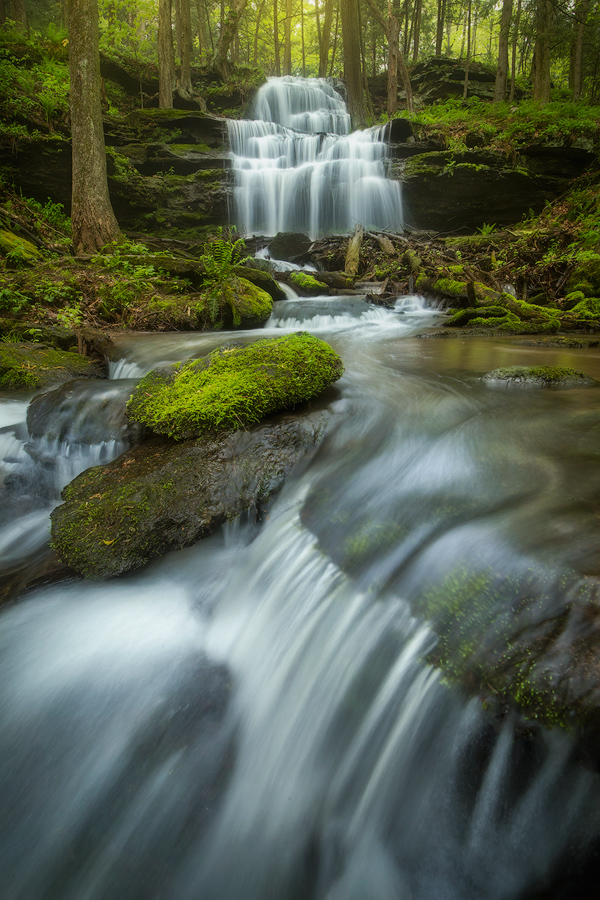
(228, 32)
(325, 38)
(257, 30)
(185, 75)
(352, 67)
(541, 53)
(202, 35)
(502, 69)
(439, 32)
(391, 28)
(466, 88)
(287, 39)
(302, 34)
(335, 40)
(19, 14)
(166, 62)
(417, 29)
(276, 38)
(513, 64)
(92, 219)
(581, 12)
(176, 9)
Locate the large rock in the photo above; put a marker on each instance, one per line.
(449, 192)
(291, 246)
(29, 367)
(163, 495)
(539, 376)
(234, 386)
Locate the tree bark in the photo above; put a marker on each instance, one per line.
(228, 32)
(93, 221)
(513, 64)
(468, 61)
(257, 30)
(202, 35)
(185, 73)
(541, 53)
(287, 39)
(439, 32)
(352, 67)
(166, 62)
(417, 29)
(276, 38)
(502, 68)
(335, 40)
(325, 38)
(391, 28)
(581, 13)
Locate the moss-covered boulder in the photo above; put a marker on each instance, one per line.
(28, 366)
(242, 304)
(585, 276)
(307, 284)
(234, 386)
(539, 376)
(163, 495)
(262, 279)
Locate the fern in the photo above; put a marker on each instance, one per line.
(220, 258)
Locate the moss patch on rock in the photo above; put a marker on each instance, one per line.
(539, 376)
(306, 283)
(234, 386)
(163, 495)
(29, 366)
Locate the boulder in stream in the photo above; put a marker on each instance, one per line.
(234, 386)
(29, 367)
(539, 376)
(164, 495)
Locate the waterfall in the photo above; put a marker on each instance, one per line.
(297, 167)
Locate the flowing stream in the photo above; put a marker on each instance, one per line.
(254, 718)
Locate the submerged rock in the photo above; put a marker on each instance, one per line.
(539, 376)
(28, 367)
(234, 386)
(290, 245)
(163, 495)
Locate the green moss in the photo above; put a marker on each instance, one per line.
(585, 276)
(234, 386)
(17, 249)
(250, 306)
(307, 282)
(27, 366)
(542, 376)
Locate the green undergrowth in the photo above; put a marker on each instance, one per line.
(234, 386)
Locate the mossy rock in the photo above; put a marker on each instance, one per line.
(162, 495)
(446, 287)
(585, 276)
(29, 366)
(539, 376)
(243, 304)
(234, 386)
(18, 249)
(585, 314)
(172, 312)
(263, 279)
(307, 284)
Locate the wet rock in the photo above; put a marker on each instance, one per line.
(262, 279)
(234, 386)
(50, 335)
(27, 366)
(539, 376)
(164, 495)
(65, 413)
(290, 246)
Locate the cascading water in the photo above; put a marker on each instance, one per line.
(297, 167)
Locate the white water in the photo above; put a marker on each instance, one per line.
(297, 167)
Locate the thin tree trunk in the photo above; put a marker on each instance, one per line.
(391, 27)
(439, 32)
(466, 88)
(302, 34)
(325, 37)
(335, 40)
(177, 12)
(202, 35)
(513, 65)
(276, 39)
(502, 69)
(257, 30)
(92, 219)
(185, 75)
(541, 53)
(352, 62)
(370, 112)
(166, 62)
(228, 33)
(417, 30)
(287, 39)
(581, 13)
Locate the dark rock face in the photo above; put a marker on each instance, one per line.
(290, 246)
(449, 192)
(441, 78)
(163, 496)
